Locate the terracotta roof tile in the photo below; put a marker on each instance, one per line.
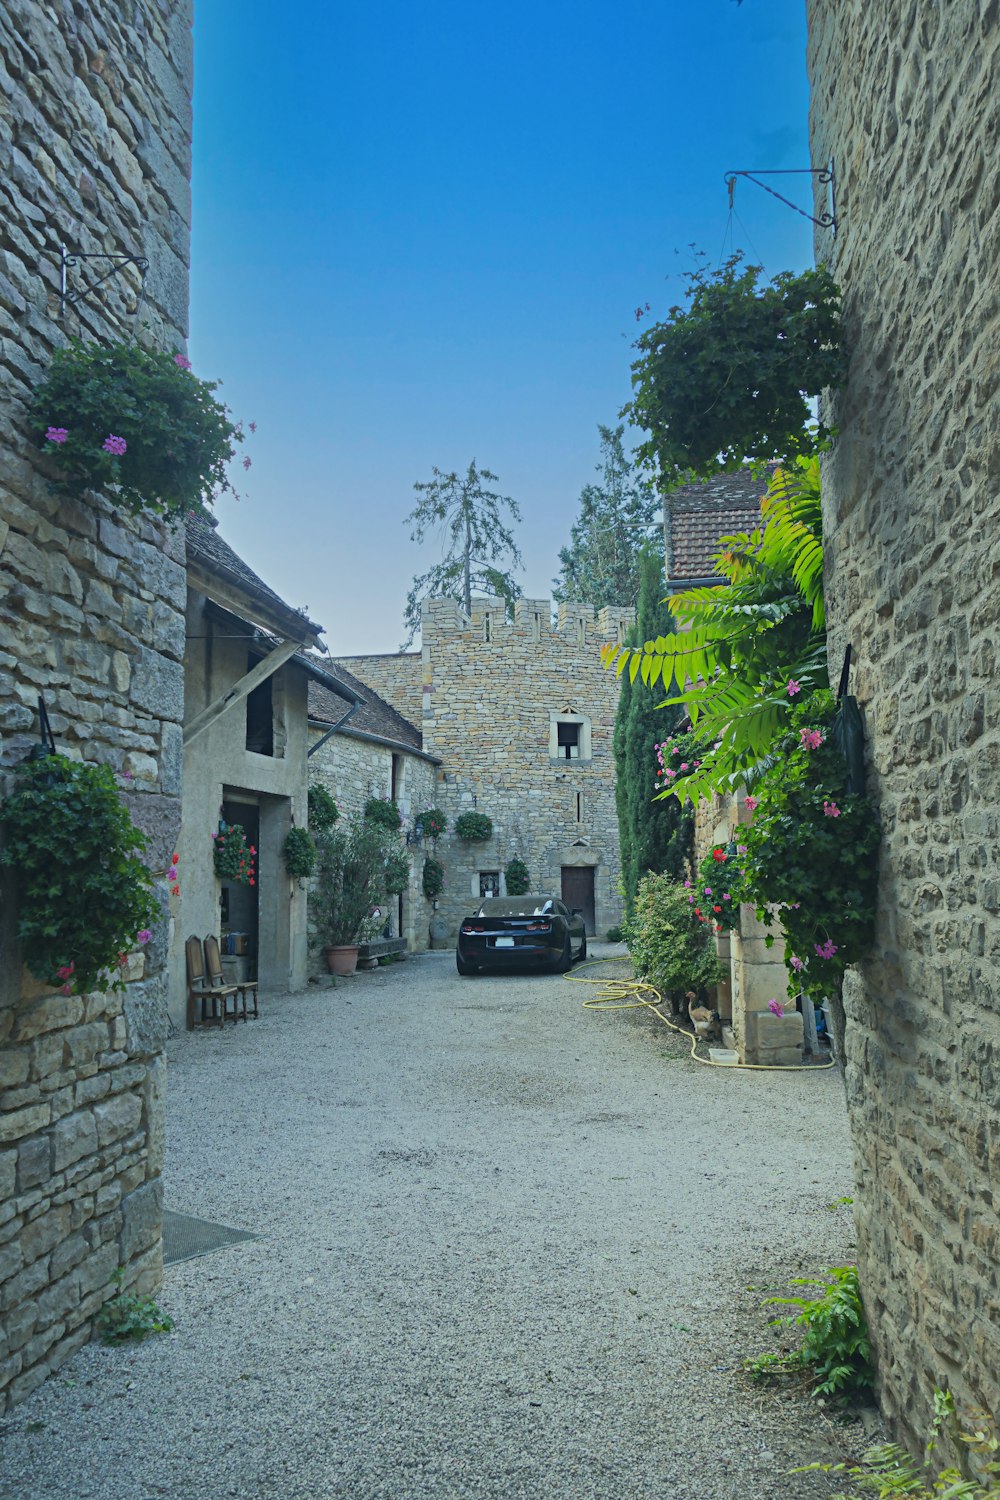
(375, 716)
(702, 513)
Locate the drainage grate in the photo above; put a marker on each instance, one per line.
(184, 1237)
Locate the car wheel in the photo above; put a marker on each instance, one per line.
(583, 950)
(565, 959)
(463, 967)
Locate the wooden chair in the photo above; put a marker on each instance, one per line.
(202, 992)
(244, 988)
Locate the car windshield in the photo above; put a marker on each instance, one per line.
(517, 906)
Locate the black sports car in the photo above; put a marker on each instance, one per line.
(508, 931)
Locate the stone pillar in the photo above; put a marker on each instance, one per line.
(758, 977)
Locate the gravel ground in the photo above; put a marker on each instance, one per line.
(511, 1248)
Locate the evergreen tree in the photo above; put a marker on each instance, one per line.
(657, 836)
(619, 518)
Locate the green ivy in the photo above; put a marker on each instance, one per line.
(474, 827)
(234, 855)
(128, 1317)
(383, 811)
(85, 899)
(178, 438)
(300, 853)
(725, 379)
(517, 877)
(812, 853)
(433, 878)
(323, 811)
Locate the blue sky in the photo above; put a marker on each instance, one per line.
(420, 234)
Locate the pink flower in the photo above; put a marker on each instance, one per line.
(825, 950)
(66, 970)
(796, 963)
(811, 738)
(175, 890)
(690, 900)
(741, 848)
(56, 434)
(751, 803)
(793, 687)
(115, 445)
(183, 361)
(725, 895)
(708, 890)
(66, 989)
(687, 885)
(144, 936)
(776, 1008)
(247, 462)
(831, 809)
(684, 765)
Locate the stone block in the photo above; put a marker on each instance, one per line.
(19, 1324)
(771, 1039)
(14, 1067)
(84, 1043)
(67, 1255)
(158, 818)
(11, 1259)
(146, 1018)
(25, 1284)
(22, 1122)
(73, 1137)
(42, 1234)
(98, 1269)
(117, 1117)
(8, 1174)
(51, 1012)
(142, 1219)
(46, 1055)
(158, 685)
(34, 1162)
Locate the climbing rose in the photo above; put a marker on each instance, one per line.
(144, 936)
(66, 970)
(751, 803)
(56, 434)
(811, 738)
(719, 855)
(776, 1008)
(115, 445)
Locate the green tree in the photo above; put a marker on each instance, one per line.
(654, 835)
(479, 543)
(619, 518)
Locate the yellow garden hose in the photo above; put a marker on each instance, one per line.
(631, 994)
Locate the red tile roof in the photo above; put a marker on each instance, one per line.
(702, 513)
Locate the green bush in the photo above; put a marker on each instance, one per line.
(323, 811)
(666, 943)
(355, 865)
(616, 934)
(300, 853)
(85, 899)
(433, 879)
(516, 877)
(835, 1351)
(135, 424)
(383, 811)
(474, 827)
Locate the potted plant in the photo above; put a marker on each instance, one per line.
(474, 827)
(356, 863)
(516, 877)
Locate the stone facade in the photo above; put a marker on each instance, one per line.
(494, 693)
(94, 150)
(905, 101)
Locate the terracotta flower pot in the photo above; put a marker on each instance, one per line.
(341, 960)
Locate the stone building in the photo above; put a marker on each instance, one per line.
(361, 747)
(520, 716)
(95, 135)
(906, 106)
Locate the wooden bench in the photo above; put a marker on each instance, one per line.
(370, 953)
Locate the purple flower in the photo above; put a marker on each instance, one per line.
(776, 1008)
(796, 963)
(247, 462)
(115, 445)
(725, 895)
(825, 950)
(56, 434)
(793, 687)
(144, 935)
(741, 848)
(183, 361)
(708, 890)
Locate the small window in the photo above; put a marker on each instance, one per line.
(536, 627)
(489, 884)
(579, 807)
(581, 631)
(260, 714)
(568, 740)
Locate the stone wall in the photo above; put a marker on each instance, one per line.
(94, 153)
(353, 768)
(905, 100)
(397, 679)
(492, 691)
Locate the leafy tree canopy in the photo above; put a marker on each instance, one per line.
(479, 548)
(619, 519)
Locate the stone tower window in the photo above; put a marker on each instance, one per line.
(569, 737)
(568, 740)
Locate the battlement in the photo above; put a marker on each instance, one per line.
(532, 617)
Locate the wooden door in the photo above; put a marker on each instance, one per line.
(578, 892)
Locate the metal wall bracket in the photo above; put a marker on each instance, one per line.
(69, 258)
(824, 175)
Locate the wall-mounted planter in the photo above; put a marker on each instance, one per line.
(474, 827)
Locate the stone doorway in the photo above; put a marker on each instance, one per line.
(578, 893)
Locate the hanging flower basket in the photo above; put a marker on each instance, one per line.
(431, 823)
(234, 856)
(299, 852)
(433, 878)
(474, 827)
(136, 425)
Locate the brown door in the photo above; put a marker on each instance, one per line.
(578, 892)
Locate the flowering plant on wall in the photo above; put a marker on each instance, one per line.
(811, 857)
(474, 827)
(431, 823)
(299, 852)
(433, 877)
(234, 855)
(85, 898)
(715, 896)
(136, 424)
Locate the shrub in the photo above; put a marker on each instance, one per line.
(323, 811)
(120, 417)
(665, 941)
(433, 879)
(474, 827)
(85, 899)
(299, 852)
(835, 1351)
(384, 812)
(616, 934)
(355, 865)
(516, 877)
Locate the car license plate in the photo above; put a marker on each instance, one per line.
(504, 943)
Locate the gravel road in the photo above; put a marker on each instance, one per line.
(510, 1249)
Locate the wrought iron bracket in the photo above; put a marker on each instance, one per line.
(69, 258)
(823, 175)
